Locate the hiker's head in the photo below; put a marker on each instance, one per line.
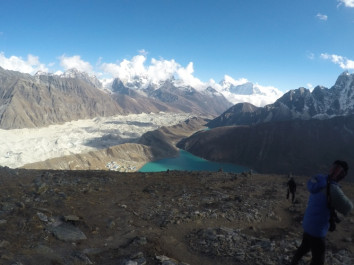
(339, 170)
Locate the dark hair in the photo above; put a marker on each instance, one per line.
(343, 164)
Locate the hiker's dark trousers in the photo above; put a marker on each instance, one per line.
(292, 195)
(317, 247)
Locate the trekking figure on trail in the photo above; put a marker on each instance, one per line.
(291, 189)
(326, 197)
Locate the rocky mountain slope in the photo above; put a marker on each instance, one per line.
(175, 218)
(175, 97)
(34, 101)
(321, 103)
(28, 101)
(299, 146)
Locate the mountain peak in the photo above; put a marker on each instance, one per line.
(228, 81)
(345, 73)
(245, 107)
(75, 73)
(42, 73)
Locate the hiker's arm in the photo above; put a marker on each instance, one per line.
(316, 183)
(339, 201)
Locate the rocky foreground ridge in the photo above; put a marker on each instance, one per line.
(169, 218)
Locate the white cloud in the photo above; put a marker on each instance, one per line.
(158, 70)
(30, 66)
(75, 62)
(126, 70)
(186, 75)
(343, 62)
(229, 80)
(309, 86)
(322, 17)
(310, 55)
(58, 72)
(347, 3)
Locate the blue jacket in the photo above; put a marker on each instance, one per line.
(316, 218)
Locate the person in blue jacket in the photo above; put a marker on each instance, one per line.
(325, 198)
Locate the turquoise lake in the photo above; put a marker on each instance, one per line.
(188, 162)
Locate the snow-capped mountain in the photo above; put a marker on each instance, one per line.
(171, 94)
(239, 91)
(235, 91)
(343, 90)
(175, 95)
(74, 73)
(322, 102)
(301, 103)
(44, 99)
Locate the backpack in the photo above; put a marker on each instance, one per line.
(333, 217)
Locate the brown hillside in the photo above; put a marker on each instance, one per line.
(302, 147)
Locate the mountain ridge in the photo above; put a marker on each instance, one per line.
(34, 101)
(29, 102)
(321, 103)
(298, 146)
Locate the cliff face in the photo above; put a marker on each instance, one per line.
(302, 147)
(28, 101)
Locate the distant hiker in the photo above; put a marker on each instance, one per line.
(291, 189)
(325, 198)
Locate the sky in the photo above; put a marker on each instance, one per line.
(286, 44)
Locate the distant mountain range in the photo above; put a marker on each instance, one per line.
(182, 98)
(302, 132)
(321, 103)
(239, 91)
(45, 98)
(33, 101)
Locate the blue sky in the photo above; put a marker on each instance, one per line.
(280, 43)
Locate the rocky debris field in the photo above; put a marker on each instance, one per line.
(168, 218)
(24, 146)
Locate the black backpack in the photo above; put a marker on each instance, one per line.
(333, 217)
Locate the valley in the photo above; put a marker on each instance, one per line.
(27, 146)
(166, 132)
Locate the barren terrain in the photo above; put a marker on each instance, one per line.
(176, 217)
(24, 146)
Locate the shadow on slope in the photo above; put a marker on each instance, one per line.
(301, 147)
